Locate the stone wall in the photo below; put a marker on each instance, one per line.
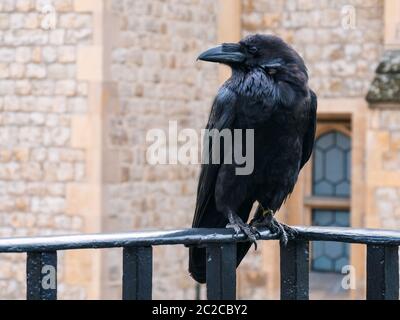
(341, 60)
(39, 95)
(384, 143)
(157, 80)
(384, 197)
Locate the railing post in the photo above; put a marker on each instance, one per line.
(137, 273)
(221, 271)
(295, 271)
(382, 272)
(41, 276)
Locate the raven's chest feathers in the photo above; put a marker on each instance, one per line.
(261, 99)
(278, 113)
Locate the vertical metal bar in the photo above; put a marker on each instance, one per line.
(382, 272)
(41, 276)
(295, 271)
(137, 273)
(198, 292)
(221, 271)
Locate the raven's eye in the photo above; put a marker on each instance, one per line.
(252, 50)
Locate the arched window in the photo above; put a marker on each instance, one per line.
(331, 181)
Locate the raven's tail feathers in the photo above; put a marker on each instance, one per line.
(197, 260)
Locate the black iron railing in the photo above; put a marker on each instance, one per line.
(382, 259)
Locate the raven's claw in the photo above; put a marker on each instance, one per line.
(267, 220)
(286, 233)
(237, 224)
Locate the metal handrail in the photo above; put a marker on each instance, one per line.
(382, 259)
(190, 237)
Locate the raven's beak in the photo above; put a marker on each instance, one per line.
(228, 53)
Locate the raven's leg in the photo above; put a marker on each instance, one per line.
(236, 223)
(266, 219)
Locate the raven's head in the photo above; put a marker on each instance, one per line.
(268, 52)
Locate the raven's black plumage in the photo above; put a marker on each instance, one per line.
(268, 92)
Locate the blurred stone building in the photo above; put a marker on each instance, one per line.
(82, 82)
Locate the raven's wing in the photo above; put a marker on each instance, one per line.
(222, 117)
(309, 138)
(206, 214)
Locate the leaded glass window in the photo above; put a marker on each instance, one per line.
(331, 179)
(332, 165)
(330, 256)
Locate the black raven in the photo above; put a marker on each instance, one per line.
(268, 92)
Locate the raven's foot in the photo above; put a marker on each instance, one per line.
(237, 224)
(285, 232)
(268, 220)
